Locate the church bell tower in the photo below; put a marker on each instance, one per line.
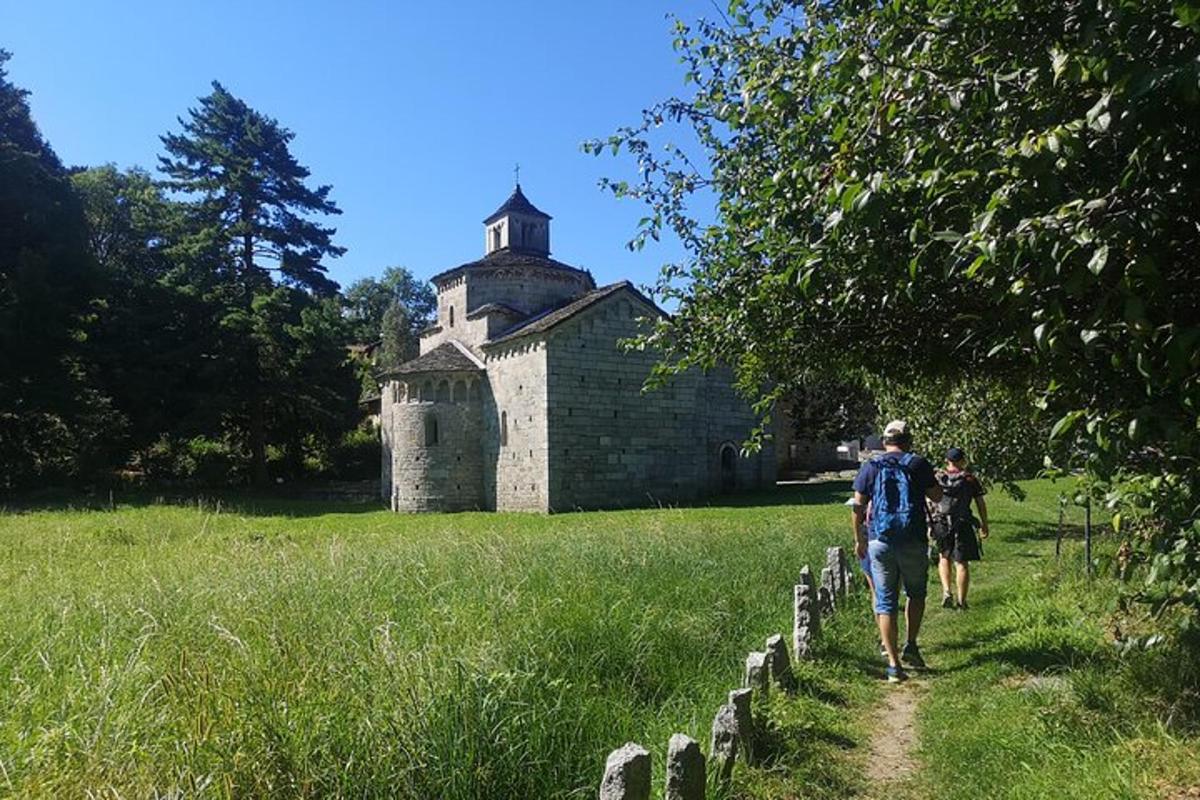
(517, 226)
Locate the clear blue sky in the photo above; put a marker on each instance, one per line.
(415, 113)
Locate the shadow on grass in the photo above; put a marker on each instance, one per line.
(241, 502)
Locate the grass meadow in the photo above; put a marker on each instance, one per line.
(311, 650)
(293, 649)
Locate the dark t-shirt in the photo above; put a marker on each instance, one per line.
(921, 479)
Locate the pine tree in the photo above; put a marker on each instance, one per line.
(252, 210)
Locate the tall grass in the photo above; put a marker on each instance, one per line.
(181, 650)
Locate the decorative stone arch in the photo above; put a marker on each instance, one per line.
(458, 392)
(427, 392)
(727, 456)
(443, 392)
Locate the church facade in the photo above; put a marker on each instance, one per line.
(523, 399)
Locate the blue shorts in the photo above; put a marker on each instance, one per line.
(892, 563)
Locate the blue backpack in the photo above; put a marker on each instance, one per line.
(893, 516)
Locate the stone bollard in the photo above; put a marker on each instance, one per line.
(835, 562)
(743, 721)
(626, 774)
(827, 592)
(685, 769)
(806, 579)
(757, 675)
(806, 623)
(779, 665)
(724, 747)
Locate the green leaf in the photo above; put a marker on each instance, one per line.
(1066, 424)
(1099, 259)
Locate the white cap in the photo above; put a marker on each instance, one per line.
(895, 428)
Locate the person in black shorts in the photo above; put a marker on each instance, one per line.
(954, 527)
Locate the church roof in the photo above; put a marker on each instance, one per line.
(494, 308)
(546, 320)
(516, 202)
(446, 357)
(507, 258)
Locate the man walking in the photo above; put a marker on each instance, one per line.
(896, 485)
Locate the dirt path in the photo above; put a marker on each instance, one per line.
(891, 756)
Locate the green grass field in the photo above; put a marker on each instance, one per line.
(305, 650)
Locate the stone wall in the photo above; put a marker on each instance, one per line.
(516, 477)
(529, 290)
(434, 434)
(611, 444)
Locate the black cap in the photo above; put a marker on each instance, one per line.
(955, 454)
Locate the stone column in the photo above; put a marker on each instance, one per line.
(757, 675)
(807, 621)
(827, 592)
(626, 774)
(779, 665)
(724, 747)
(743, 722)
(685, 769)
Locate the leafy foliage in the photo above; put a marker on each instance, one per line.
(961, 188)
(830, 410)
(53, 419)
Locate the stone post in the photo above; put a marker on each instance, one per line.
(806, 579)
(807, 621)
(724, 747)
(835, 561)
(743, 722)
(779, 665)
(626, 774)
(827, 592)
(685, 769)
(757, 672)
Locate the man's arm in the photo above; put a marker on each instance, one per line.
(857, 516)
(981, 504)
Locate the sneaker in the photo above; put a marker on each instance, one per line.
(962, 606)
(947, 601)
(912, 656)
(896, 674)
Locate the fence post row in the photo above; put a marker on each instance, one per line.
(627, 769)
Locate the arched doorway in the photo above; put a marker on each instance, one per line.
(728, 467)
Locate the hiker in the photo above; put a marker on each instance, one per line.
(954, 525)
(896, 484)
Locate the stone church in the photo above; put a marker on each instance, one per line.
(522, 398)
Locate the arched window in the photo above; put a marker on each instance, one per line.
(431, 430)
(443, 392)
(451, 316)
(459, 393)
(504, 429)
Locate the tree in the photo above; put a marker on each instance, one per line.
(251, 212)
(368, 299)
(153, 341)
(53, 420)
(1002, 189)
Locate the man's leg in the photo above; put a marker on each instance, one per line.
(887, 633)
(914, 572)
(962, 571)
(944, 574)
(885, 576)
(914, 612)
